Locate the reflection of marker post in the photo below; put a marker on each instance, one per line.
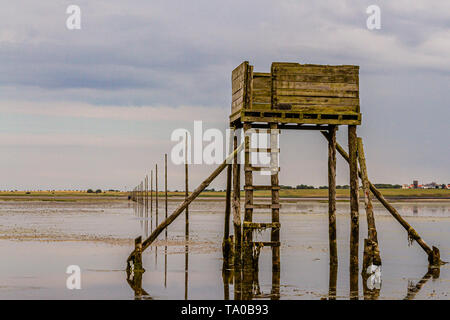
(413, 290)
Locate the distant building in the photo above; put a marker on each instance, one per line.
(432, 185)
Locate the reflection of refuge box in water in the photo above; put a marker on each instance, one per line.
(296, 93)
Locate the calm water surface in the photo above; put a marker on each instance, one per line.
(39, 239)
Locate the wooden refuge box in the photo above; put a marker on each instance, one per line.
(296, 93)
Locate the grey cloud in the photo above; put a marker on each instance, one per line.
(176, 53)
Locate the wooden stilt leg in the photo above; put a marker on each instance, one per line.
(371, 250)
(248, 216)
(227, 243)
(332, 194)
(433, 253)
(151, 200)
(275, 233)
(354, 212)
(156, 193)
(138, 256)
(237, 210)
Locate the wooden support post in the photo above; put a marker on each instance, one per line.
(332, 194)
(186, 184)
(138, 255)
(146, 207)
(227, 244)
(433, 254)
(248, 215)
(165, 215)
(151, 200)
(354, 195)
(146, 194)
(186, 223)
(226, 233)
(156, 194)
(165, 188)
(275, 232)
(237, 210)
(371, 250)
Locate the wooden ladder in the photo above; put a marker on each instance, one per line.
(252, 248)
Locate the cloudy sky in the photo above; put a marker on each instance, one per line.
(96, 107)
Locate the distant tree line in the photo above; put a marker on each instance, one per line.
(92, 191)
(387, 186)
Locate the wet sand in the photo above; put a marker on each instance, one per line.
(39, 239)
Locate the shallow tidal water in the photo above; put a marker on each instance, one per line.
(40, 239)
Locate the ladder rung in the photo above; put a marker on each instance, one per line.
(261, 187)
(272, 150)
(250, 168)
(263, 225)
(262, 206)
(267, 243)
(267, 131)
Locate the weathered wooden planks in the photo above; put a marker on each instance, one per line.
(239, 86)
(297, 86)
(305, 93)
(261, 91)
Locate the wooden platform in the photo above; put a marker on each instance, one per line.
(293, 93)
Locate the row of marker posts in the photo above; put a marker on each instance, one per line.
(142, 197)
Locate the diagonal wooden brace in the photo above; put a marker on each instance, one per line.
(160, 228)
(433, 253)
